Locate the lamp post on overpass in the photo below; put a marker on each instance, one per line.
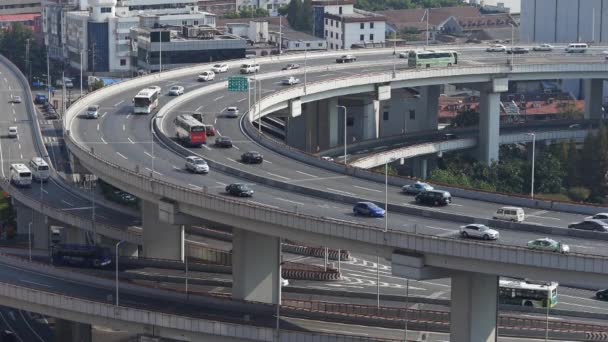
(532, 176)
(116, 262)
(29, 238)
(345, 119)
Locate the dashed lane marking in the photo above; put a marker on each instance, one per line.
(306, 174)
(122, 155)
(278, 176)
(118, 103)
(340, 191)
(289, 201)
(367, 189)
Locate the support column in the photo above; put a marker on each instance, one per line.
(489, 127)
(431, 95)
(74, 235)
(594, 91)
(474, 307)
(332, 118)
(69, 331)
(371, 120)
(161, 240)
(39, 225)
(419, 167)
(296, 134)
(255, 267)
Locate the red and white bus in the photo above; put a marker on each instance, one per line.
(145, 101)
(190, 131)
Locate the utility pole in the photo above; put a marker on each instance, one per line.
(48, 75)
(27, 60)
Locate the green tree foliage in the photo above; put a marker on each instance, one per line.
(299, 15)
(13, 42)
(579, 193)
(548, 174)
(248, 13)
(466, 118)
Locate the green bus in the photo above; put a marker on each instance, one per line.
(431, 58)
(527, 293)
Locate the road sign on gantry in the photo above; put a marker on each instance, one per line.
(238, 84)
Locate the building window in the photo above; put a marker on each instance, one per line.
(184, 22)
(325, 33)
(106, 10)
(331, 34)
(340, 10)
(331, 45)
(337, 36)
(361, 37)
(269, 6)
(326, 21)
(385, 115)
(297, 45)
(307, 45)
(123, 62)
(371, 37)
(331, 22)
(320, 44)
(362, 25)
(196, 22)
(337, 24)
(371, 25)
(412, 114)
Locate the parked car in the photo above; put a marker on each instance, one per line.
(543, 47)
(514, 214)
(232, 112)
(219, 68)
(590, 224)
(16, 99)
(12, 132)
(368, 209)
(252, 157)
(599, 216)
(206, 76)
(196, 164)
(434, 197)
(550, 245)
(176, 91)
(480, 231)
(92, 112)
(223, 141)
(291, 66)
(602, 294)
(518, 50)
(416, 188)
(290, 81)
(346, 59)
(496, 48)
(41, 99)
(239, 189)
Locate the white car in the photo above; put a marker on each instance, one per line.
(12, 132)
(496, 48)
(543, 47)
(206, 76)
(92, 112)
(598, 216)
(479, 231)
(232, 112)
(403, 54)
(16, 99)
(219, 68)
(416, 188)
(197, 164)
(176, 91)
(290, 81)
(284, 282)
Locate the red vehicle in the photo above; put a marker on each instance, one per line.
(210, 130)
(190, 131)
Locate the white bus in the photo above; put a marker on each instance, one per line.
(431, 58)
(145, 101)
(528, 293)
(40, 169)
(189, 131)
(21, 175)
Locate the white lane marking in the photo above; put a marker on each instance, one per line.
(218, 98)
(118, 103)
(241, 100)
(290, 201)
(104, 141)
(19, 146)
(176, 168)
(275, 175)
(21, 155)
(439, 228)
(46, 192)
(10, 328)
(306, 174)
(104, 114)
(120, 154)
(236, 147)
(131, 141)
(34, 283)
(544, 217)
(207, 147)
(266, 161)
(215, 121)
(344, 332)
(583, 247)
(124, 127)
(154, 171)
(196, 187)
(220, 183)
(232, 160)
(98, 127)
(198, 108)
(262, 204)
(128, 116)
(456, 205)
(30, 327)
(364, 188)
(149, 155)
(68, 203)
(218, 132)
(344, 192)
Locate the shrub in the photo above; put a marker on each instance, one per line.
(579, 193)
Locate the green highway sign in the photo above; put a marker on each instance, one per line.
(238, 84)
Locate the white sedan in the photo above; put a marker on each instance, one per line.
(219, 68)
(206, 76)
(478, 231)
(496, 48)
(176, 91)
(290, 81)
(543, 47)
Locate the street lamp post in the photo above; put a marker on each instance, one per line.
(345, 119)
(533, 150)
(116, 262)
(29, 239)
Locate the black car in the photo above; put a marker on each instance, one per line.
(602, 294)
(291, 66)
(434, 197)
(590, 224)
(239, 189)
(252, 157)
(346, 59)
(449, 136)
(518, 50)
(223, 141)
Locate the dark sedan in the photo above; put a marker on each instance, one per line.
(590, 224)
(518, 50)
(239, 189)
(252, 157)
(223, 142)
(602, 294)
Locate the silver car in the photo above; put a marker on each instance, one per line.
(478, 231)
(549, 245)
(232, 112)
(176, 91)
(197, 164)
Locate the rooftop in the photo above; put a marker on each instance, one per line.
(291, 34)
(19, 17)
(357, 16)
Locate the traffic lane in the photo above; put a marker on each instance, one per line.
(25, 325)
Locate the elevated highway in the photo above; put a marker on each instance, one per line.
(126, 157)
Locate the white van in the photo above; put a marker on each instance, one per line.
(40, 169)
(577, 48)
(250, 68)
(21, 175)
(514, 214)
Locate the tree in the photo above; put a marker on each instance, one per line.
(293, 10)
(13, 45)
(572, 162)
(569, 111)
(548, 174)
(466, 118)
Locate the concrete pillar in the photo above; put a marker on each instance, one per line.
(333, 122)
(39, 225)
(74, 235)
(371, 120)
(593, 98)
(128, 249)
(489, 126)
(474, 307)
(296, 132)
(255, 267)
(69, 331)
(420, 167)
(161, 240)
(431, 95)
